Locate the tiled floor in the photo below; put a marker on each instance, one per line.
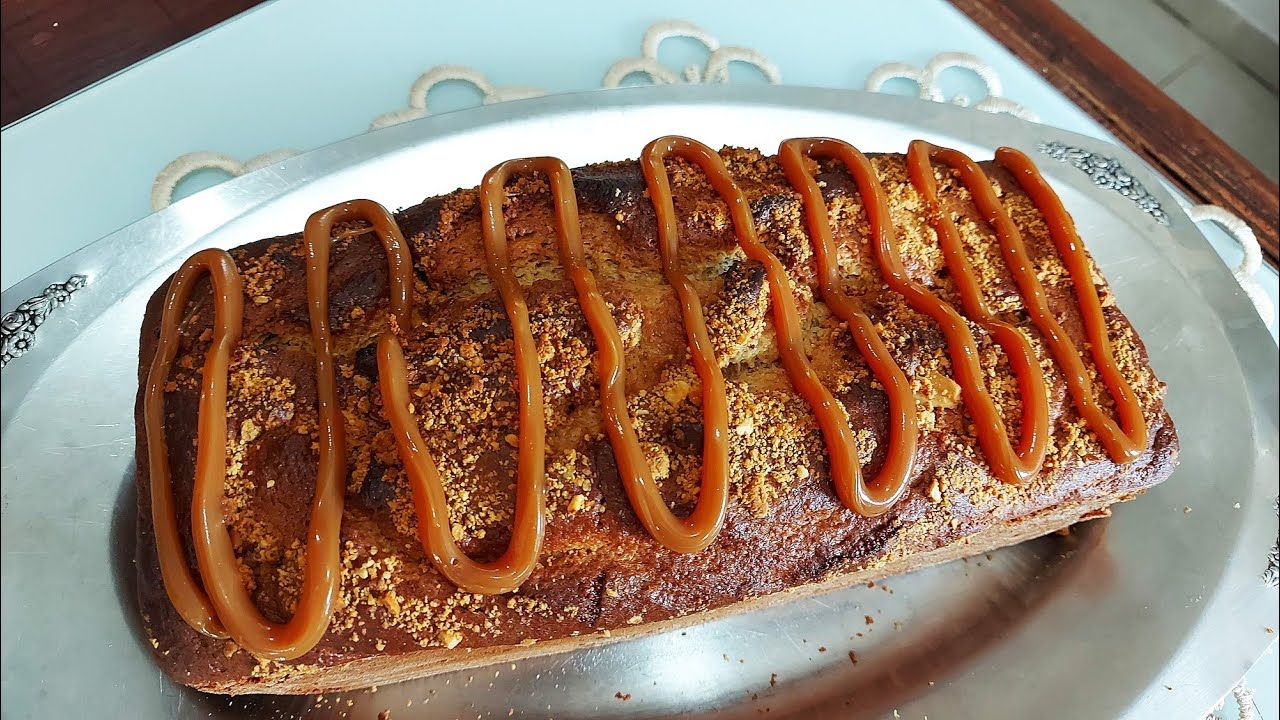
(1234, 103)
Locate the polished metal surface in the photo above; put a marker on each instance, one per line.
(1154, 612)
(18, 327)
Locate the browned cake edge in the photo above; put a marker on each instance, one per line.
(384, 669)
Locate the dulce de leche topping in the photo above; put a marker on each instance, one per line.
(846, 472)
(1127, 441)
(218, 603)
(236, 614)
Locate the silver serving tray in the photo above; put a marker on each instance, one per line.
(1152, 613)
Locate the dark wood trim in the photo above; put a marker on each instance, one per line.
(1137, 112)
(52, 48)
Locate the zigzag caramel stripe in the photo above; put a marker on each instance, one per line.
(846, 470)
(220, 606)
(227, 609)
(1008, 464)
(1123, 442)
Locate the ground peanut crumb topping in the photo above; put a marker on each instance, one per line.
(599, 570)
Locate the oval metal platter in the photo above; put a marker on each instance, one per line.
(1154, 612)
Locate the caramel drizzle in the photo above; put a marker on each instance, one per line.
(228, 301)
(1125, 442)
(228, 610)
(699, 529)
(1008, 465)
(513, 567)
(702, 525)
(842, 449)
(1022, 358)
(1123, 445)
(894, 477)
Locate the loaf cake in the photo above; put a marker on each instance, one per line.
(574, 406)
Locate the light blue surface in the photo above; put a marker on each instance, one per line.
(292, 75)
(296, 74)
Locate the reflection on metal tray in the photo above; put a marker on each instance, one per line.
(1152, 613)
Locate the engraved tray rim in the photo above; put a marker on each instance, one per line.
(1201, 657)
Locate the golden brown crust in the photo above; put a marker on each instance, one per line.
(600, 572)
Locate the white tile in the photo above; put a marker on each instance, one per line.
(1241, 110)
(1237, 107)
(1243, 33)
(1144, 34)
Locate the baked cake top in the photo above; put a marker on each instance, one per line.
(599, 567)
